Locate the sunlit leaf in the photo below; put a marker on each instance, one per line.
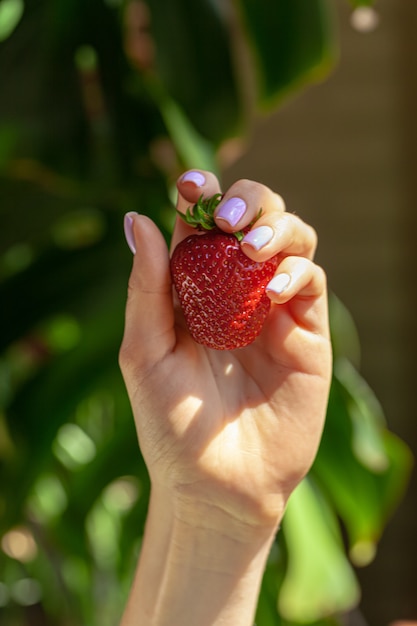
(193, 149)
(267, 611)
(366, 417)
(61, 333)
(11, 12)
(319, 581)
(364, 498)
(292, 43)
(48, 499)
(195, 37)
(344, 334)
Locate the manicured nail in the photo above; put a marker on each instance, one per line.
(128, 226)
(258, 237)
(197, 178)
(232, 211)
(279, 283)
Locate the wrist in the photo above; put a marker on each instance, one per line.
(243, 520)
(199, 564)
(221, 524)
(213, 568)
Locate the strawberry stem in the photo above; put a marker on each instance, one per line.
(201, 215)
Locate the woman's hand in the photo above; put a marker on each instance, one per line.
(227, 436)
(236, 430)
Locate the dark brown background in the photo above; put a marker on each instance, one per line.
(344, 156)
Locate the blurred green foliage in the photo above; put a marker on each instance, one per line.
(103, 103)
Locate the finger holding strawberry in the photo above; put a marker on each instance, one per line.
(255, 216)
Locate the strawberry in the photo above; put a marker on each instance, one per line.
(220, 289)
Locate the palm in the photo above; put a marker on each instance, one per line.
(231, 415)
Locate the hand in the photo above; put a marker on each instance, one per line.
(233, 430)
(226, 436)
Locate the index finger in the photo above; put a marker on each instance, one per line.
(191, 186)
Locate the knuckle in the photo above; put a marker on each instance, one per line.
(258, 193)
(322, 275)
(251, 187)
(280, 202)
(126, 356)
(314, 239)
(132, 363)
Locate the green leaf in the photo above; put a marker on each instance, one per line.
(63, 281)
(194, 150)
(344, 334)
(195, 66)
(267, 610)
(8, 141)
(363, 494)
(366, 417)
(49, 400)
(319, 580)
(11, 12)
(292, 43)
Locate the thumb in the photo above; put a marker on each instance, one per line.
(149, 323)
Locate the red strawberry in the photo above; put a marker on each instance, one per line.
(220, 289)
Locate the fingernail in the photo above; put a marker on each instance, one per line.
(128, 226)
(279, 283)
(258, 237)
(197, 178)
(232, 211)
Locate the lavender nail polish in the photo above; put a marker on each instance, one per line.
(197, 178)
(279, 283)
(232, 211)
(258, 237)
(128, 226)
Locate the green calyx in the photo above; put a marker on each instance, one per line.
(201, 215)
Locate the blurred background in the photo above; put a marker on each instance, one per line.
(344, 156)
(103, 103)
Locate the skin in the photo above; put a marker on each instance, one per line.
(226, 436)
